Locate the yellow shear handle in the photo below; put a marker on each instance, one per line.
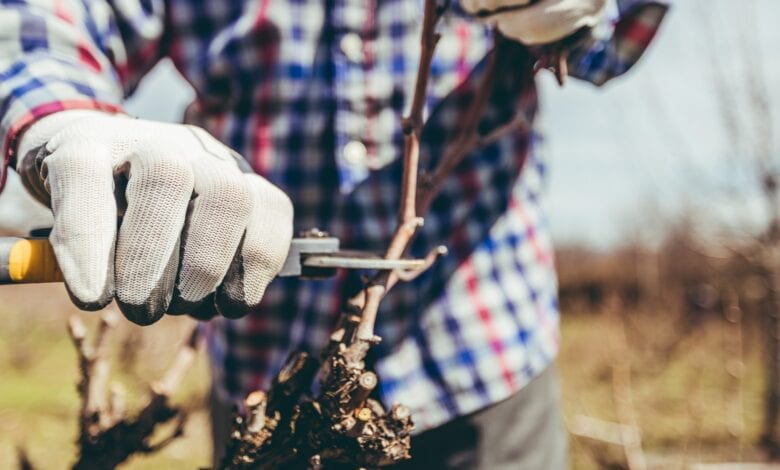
(27, 260)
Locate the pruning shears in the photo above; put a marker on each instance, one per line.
(313, 255)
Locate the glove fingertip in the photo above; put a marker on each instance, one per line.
(141, 315)
(203, 309)
(229, 305)
(231, 297)
(91, 305)
(89, 286)
(149, 311)
(205, 312)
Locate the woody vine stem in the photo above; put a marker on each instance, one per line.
(286, 426)
(367, 301)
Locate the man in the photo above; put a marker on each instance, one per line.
(310, 92)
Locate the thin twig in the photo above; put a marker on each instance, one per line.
(424, 191)
(94, 371)
(181, 364)
(466, 141)
(408, 221)
(431, 258)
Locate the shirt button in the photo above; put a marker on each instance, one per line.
(355, 153)
(352, 47)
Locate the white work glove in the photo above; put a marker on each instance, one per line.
(196, 233)
(537, 22)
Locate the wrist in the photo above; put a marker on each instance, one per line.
(43, 129)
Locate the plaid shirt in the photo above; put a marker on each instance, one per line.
(310, 92)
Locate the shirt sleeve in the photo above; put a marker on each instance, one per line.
(603, 57)
(70, 54)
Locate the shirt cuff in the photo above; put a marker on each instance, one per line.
(36, 87)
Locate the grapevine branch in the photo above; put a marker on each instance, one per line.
(107, 435)
(408, 220)
(417, 194)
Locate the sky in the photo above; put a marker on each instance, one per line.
(647, 146)
(654, 140)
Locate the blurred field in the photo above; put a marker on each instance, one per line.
(690, 407)
(38, 373)
(695, 391)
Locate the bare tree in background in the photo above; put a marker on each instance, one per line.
(748, 126)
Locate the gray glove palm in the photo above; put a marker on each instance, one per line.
(196, 234)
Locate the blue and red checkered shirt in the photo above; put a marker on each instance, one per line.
(310, 92)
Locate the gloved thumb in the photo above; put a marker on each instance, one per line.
(75, 175)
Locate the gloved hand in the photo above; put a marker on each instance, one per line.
(196, 233)
(537, 22)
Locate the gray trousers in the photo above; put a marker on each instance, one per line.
(524, 431)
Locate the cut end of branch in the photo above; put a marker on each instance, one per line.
(364, 414)
(256, 403)
(255, 399)
(368, 380)
(109, 318)
(401, 412)
(77, 329)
